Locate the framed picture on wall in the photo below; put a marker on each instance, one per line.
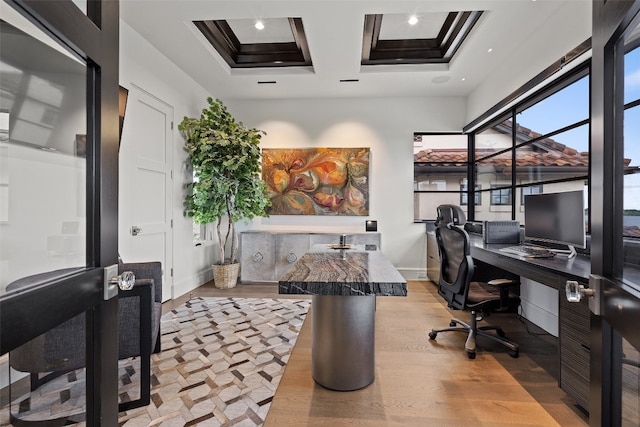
(317, 181)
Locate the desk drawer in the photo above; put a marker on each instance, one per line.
(574, 340)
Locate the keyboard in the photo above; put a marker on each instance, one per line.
(528, 251)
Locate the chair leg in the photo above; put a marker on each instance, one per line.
(464, 327)
(513, 347)
(474, 331)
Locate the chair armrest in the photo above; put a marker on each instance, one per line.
(146, 270)
(502, 282)
(140, 288)
(135, 319)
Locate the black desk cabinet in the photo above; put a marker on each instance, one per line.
(574, 343)
(573, 318)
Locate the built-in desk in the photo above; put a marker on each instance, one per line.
(574, 323)
(552, 272)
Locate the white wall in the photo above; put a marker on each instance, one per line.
(541, 50)
(142, 65)
(386, 125)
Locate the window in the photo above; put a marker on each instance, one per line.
(464, 197)
(440, 165)
(542, 144)
(500, 196)
(525, 191)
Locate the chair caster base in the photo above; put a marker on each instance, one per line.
(471, 354)
(433, 335)
(514, 353)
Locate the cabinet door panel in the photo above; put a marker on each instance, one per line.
(257, 259)
(289, 248)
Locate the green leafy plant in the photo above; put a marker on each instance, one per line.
(226, 161)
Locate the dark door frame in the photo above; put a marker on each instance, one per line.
(610, 20)
(94, 37)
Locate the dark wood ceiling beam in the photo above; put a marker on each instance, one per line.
(462, 29)
(253, 55)
(407, 44)
(300, 38)
(454, 30)
(219, 34)
(370, 35)
(269, 48)
(268, 59)
(446, 26)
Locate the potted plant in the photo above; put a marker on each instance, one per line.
(226, 161)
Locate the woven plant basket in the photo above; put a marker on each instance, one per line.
(225, 276)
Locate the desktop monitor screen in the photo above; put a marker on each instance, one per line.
(555, 218)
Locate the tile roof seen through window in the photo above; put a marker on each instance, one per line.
(544, 152)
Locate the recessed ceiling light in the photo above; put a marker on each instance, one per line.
(259, 25)
(490, 50)
(413, 20)
(464, 78)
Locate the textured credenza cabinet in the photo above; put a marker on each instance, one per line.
(267, 255)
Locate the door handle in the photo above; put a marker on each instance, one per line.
(135, 230)
(576, 291)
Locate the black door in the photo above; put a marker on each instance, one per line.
(615, 202)
(58, 181)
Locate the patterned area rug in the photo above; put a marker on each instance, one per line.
(221, 362)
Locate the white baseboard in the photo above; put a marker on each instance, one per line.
(412, 273)
(187, 284)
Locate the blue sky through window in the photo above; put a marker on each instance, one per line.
(632, 127)
(571, 105)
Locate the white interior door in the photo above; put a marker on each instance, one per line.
(145, 210)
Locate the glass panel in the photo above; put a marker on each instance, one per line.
(425, 204)
(493, 139)
(439, 177)
(42, 148)
(630, 385)
(440, 165)
(632, 76)
(488, 210)
(477, 195)
(631, 180)
(564, 156)
(494, 171)
(565, 107)
(631, 219)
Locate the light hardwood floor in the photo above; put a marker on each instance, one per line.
(421, 382)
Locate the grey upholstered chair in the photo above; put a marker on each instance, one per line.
(62, 349)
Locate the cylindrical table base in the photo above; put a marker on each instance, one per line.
(343, 341)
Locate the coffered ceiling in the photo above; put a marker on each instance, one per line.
(349, 48)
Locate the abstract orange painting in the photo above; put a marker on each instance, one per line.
(317, 181)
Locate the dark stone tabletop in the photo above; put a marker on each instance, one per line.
(354, 271)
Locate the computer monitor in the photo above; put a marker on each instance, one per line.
(556, 218)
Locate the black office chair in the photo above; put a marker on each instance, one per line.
(458, 289)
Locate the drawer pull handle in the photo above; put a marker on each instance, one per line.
(257, 257)
(292, 258)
